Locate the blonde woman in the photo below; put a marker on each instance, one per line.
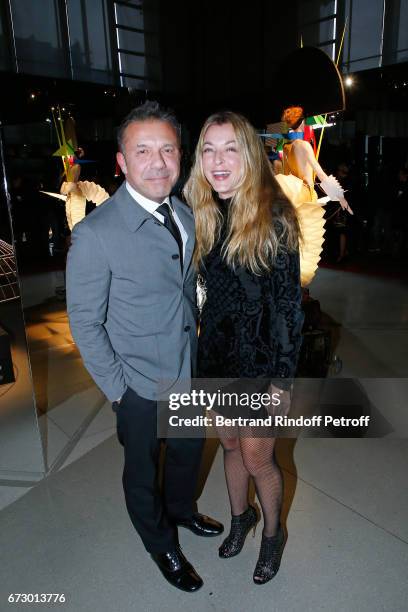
(247, 237)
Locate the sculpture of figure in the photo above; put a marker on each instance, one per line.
(77, 193)
(299, 166)
(299, 160)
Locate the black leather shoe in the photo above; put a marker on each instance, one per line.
(177, 570)
(201, 525)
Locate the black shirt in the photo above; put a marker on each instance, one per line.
(250, 324)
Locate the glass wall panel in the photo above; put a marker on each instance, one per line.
(403, 26)
(321, 31)
(134, 83)
(5, 52)
(132, 64)
(80, 39)
(38, 37)
(318, 24)
(89, 40)
(129, 16)
(137, 3)
(21, 453)
(365, 64)
(312, 10)
(402, 56)
(366, 30)
(131, 41)
(66, 397)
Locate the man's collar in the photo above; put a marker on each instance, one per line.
(135, 215)
(150, 205)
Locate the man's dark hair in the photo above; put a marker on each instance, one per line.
(148, 111)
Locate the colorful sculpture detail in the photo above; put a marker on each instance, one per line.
(74, 192)
(297, 180)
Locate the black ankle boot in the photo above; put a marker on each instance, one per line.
(269, 557)
(240, 527)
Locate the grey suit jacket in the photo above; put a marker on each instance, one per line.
(132, 311)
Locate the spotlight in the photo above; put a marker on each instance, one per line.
(32, 96)
(348, 81)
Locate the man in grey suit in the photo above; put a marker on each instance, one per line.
(131, 295)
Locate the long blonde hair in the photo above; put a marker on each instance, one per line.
(261, 219)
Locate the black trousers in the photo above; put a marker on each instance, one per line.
(151, 511)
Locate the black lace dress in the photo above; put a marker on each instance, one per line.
(250, 325)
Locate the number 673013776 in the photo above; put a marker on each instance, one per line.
(36, 598)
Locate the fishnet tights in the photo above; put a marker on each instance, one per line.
(253, 457)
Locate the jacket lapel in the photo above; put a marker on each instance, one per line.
(133, 214)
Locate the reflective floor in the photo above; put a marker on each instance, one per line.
(346, 500)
